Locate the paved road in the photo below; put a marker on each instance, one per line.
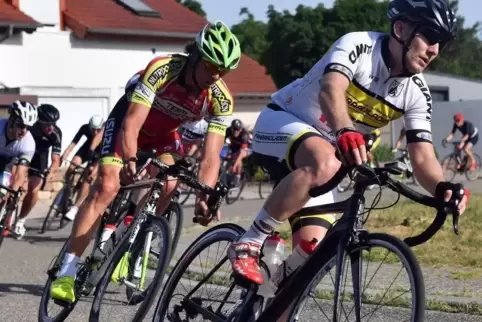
(23, 264)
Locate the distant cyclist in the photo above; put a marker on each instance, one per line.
(376, 138)
(401, 136)
(17, 148)
(238, 146)
(47, 136)
(192, 137)
(88, 152)
(470, 137)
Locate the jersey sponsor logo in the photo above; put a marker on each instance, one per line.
(145, 92)
(359, 50)
(217, 128)
(271, 137)
(395, 88)
(224, 102)
(367, 110)
(162, 71)
(426, 94)
(220, 119)
(108, 137)
(175, 111)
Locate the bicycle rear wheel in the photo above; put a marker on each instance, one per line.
(234, 193)
(3, 223)
(175, 215)
(449, 167)
(321, 295)
(137, 258)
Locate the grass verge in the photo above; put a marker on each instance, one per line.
(445, 249)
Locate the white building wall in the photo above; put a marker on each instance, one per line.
(459, 88)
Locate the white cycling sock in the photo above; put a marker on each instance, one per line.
(69, 265)
(261, 228)
(72, 213)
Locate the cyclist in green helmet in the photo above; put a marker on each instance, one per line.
(172, 90)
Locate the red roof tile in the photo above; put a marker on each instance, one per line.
(11, 15)
(107, 16)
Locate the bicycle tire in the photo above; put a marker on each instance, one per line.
(175, 208)
(146, 298)
(223, 232)
(53, 212)
(477, 171)
(447, 160)
(3, 222)
(183, 197)
(403, 252)
(44, 300)
(229, 200)
(260, 189)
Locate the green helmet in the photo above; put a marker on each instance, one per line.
(219, 45)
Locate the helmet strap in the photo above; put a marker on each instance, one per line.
(405, 48)
(194, 59)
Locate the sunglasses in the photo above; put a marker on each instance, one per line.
(21, 126)
(215, 69)
(433, 37)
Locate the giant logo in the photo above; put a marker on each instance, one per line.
(426, 94)
(360, 49)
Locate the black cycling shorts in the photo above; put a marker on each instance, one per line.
(40, 161)
(473, 140)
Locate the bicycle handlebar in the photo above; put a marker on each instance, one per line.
(181, 170)
(380, 176)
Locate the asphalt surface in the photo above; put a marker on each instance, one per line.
(23, 264)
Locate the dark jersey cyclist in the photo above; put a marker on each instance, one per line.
(88, 152)
(47, 136)
(470, 136)
(238, 144)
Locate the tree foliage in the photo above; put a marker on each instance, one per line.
(193, 5)
(289, 44)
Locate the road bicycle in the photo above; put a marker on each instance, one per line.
(8, 211)
(346, 239)
(134, 249)
(455, 163)
(64, 200)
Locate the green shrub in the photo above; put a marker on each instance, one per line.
(383, 153)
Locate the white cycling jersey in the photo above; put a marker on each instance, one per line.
(194, 130)
(12, 150)
(374, 98)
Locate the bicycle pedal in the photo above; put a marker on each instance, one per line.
(242, 281)
(64, 304)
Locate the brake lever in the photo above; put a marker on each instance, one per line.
(455, 221)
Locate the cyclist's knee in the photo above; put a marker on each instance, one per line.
(109, 184)
(170, 187)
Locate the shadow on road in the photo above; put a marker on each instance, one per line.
(43, 239)
(20, 289)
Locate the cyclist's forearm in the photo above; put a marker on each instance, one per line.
(68, 151)
(333, 106)
(426, 166)
(129, 141)
(241, 155)
(465, 138)
(19, 177)
(208, 170)
(55, 161)
(449, 137)
(194, 147)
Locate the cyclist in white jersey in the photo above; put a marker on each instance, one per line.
(363, 82)
(17, 148)
(192, 136)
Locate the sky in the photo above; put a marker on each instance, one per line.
(228, 11)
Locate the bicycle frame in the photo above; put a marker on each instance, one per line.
(348, 227)
(148, 210)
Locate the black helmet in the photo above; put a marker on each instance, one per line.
(236, 124)
(434, 14)
(48, 113)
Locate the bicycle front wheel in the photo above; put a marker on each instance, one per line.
(54, 212)
(449, 167)
(473, 175)
(146, 258)
(363, 303)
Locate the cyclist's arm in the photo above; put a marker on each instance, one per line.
(400, 139)
(418, 117)
(96, 141)
(56, 149)
(74, 142)
(243, 152)
(194, 147)
(135, 117)
(222, 109)
(20, 175)
(338, 73)
(451, 134)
